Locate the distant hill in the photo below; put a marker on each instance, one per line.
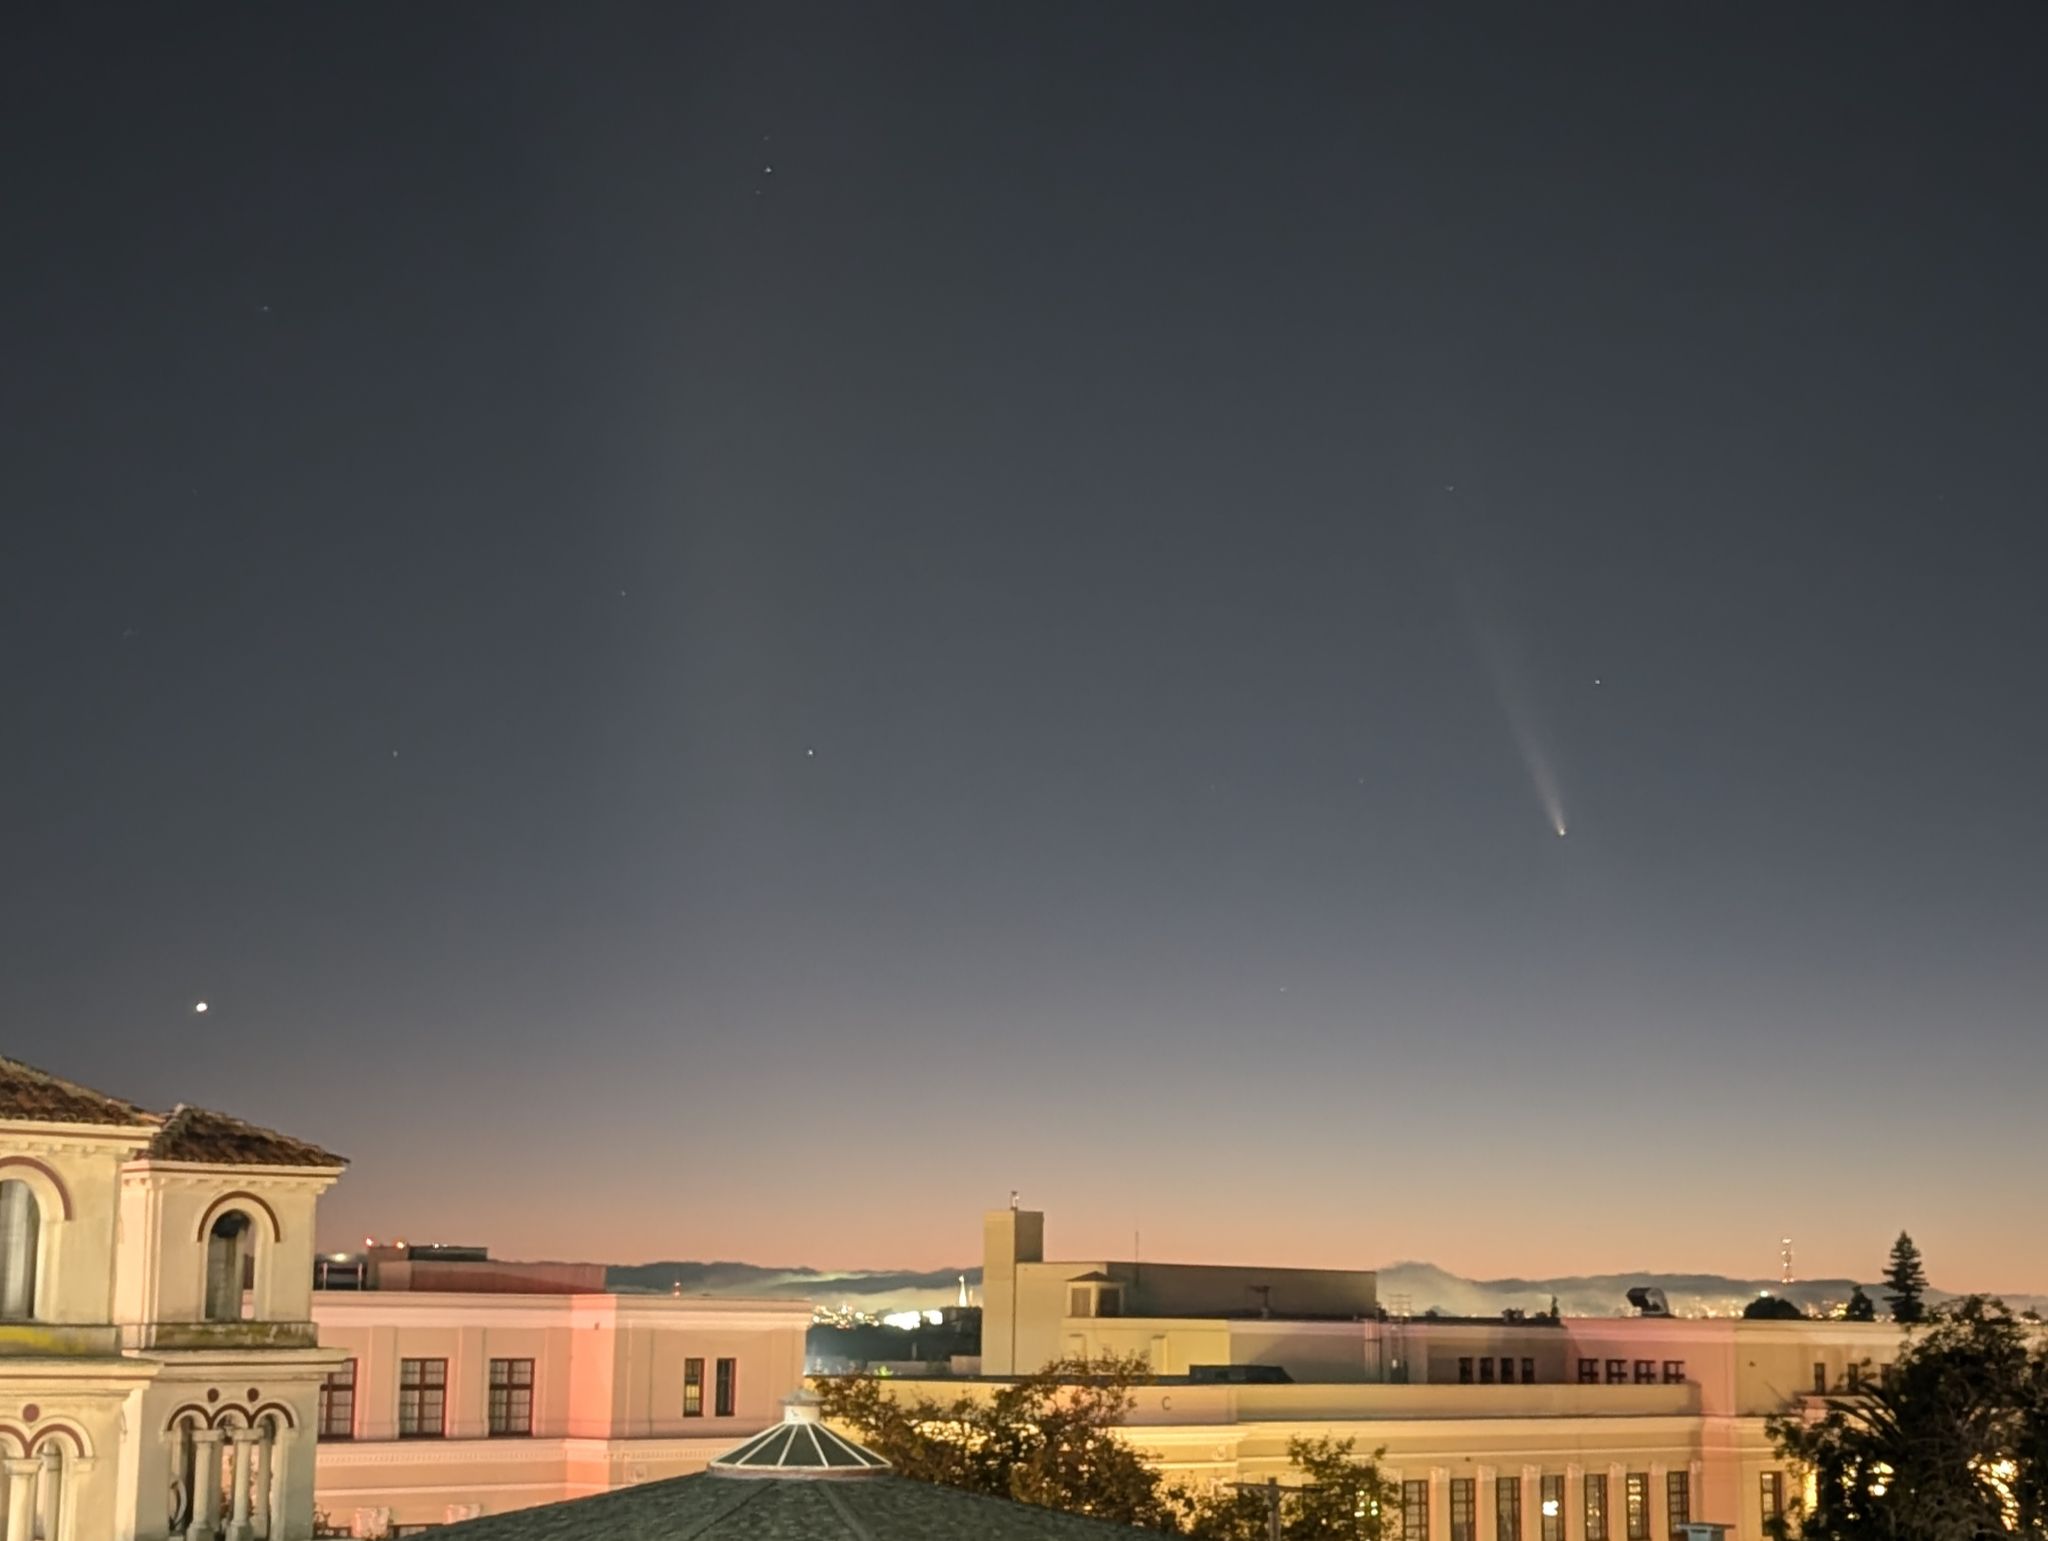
(1411, 1287)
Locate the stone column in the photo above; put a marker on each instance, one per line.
(1486, 1505)
(49, 1492)
(1439, 1503)
(21, 1495)
(1575, 1503)
(260, 1520)
(1617, 1502)
(1532, 1503)
(205, 1486)
(239, 1528)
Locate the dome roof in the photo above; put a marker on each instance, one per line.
(799, 1446)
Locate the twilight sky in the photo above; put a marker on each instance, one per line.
(680, 709)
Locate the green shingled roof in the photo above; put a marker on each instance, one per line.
(710, 1507)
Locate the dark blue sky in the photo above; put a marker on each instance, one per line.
(678, 708)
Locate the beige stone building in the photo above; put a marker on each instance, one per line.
(159, 1368)
(1579, 1429)
(451, 1402)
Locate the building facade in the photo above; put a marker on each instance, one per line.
(159, 1367)
(450, 1403)
(1529, 1429)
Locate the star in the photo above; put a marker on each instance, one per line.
(200, 1007)
(810, 754)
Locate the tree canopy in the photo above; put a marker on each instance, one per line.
(1772, 1308)
(1861, 1307)
(1050, 1440)
(1951, 1445)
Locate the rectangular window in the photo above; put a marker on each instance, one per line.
(1486, 1372)
(728, 1387)
(1772, 1486)
(422, 1398)
(1507, 1508)
(1855, 1378)
(1589, 1372)
(1507, 1370)
(1677, 1500)
(1820, 1380)
(1415, 1511)
(1464, 1372)
(1464, 1509)
(1617, 1372)
(1674, 1372)
(1079, 1301)
(1646, 1372)
(1528, 1372)
(693, 1388)
(338, 1402)
(1636, 1494)
(1596, 1506)
(1553, 1508)
(511, 1396)
(1885, 1372)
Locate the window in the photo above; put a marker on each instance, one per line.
(1464, 1509)
(338, 1402)
(1078, 1300)
(1589, 1372)
(422, 1398)
(1507, 1370)
(1646, 1372)
(1596, 1506)
(1820, 1380)
(1415, 1511)
(1507, 1508)
(1636, 1496)
(1464, 1372)
(1885, 1373)
(1674, 1372)
(228, 1245)
(21, 1232)
(728, 1387)
(1617, 1371)
(1855, 1378)
(511, 1396)
(1109, 1300)
(1553, 1508)
(1486, 1372)
(1528, 1372)
(1677, 1500)
(693, 1388)
(1772, 1486)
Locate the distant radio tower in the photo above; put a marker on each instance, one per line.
(1785, 1260)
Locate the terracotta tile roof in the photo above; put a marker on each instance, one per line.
(37, 1096)
(194, 1134)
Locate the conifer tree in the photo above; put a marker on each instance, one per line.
(1906, 1282)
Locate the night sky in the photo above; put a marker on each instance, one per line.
(679, 708)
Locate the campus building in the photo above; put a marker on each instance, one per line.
(159, 1367)
(1503, 1429)
(467, 1386)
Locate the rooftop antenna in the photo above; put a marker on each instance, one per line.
(1013, 1198)
(1785, 1260)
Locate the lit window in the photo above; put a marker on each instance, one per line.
(1771, 1486)
(693, 1388)
(1596, 1506)
(1553, 1508)
(1636, 1493)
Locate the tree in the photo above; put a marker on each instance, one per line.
(1048, 1439)
(1337, 1497)
(1861, 1307)
(1951, 1446)
(1906, 1282)
(1772, 1308)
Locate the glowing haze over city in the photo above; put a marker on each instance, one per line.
(1322, 636)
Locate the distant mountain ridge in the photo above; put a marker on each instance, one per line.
(1411, 1288)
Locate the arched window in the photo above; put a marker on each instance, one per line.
(230, 1246)
(21, 1230)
